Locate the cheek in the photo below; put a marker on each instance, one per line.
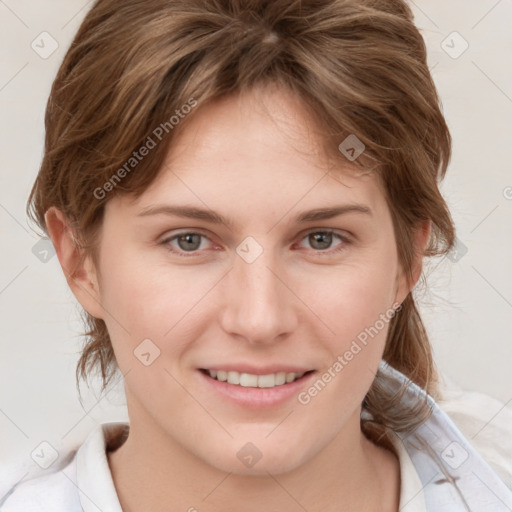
(351, 298)
(147, 300)
(356, 306)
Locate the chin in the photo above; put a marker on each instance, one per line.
(258, 458)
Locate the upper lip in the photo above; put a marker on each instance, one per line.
(262, 370)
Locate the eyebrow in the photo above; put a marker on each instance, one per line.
(191, 212)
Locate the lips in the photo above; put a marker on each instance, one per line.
(259, 388)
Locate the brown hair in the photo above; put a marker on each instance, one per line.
(359, 65)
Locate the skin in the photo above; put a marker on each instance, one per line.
(254, 159)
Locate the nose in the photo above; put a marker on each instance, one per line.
(258, 304)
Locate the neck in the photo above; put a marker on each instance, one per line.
(152, 472)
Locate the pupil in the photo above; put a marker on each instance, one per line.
(317, 237)
(190, 238)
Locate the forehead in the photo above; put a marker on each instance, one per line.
(259, 146)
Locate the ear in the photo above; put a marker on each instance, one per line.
(406, 283)
(80, 272)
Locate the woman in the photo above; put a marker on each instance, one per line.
(279, 361)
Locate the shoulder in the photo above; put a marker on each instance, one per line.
(83, 475)
(486, 423)
(53, 492)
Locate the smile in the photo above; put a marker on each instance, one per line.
(248, 380)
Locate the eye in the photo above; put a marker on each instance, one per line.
(191, 242)
(322, 240)
(186, 242)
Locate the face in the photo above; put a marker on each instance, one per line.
(263, 293)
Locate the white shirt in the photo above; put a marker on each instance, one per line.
(85, 483)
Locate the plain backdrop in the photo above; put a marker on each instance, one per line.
(468, 304)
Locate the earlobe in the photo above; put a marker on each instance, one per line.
(422, 237)
(78, 268)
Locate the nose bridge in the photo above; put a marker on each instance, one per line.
(258, 304)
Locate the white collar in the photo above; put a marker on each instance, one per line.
(98, 493)
(412, 497)
(93, 475)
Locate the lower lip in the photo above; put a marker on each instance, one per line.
(258, 398)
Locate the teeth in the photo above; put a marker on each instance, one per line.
(233, 378)
(248, 380)
(280, 378)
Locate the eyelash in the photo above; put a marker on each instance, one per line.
(327, 252)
